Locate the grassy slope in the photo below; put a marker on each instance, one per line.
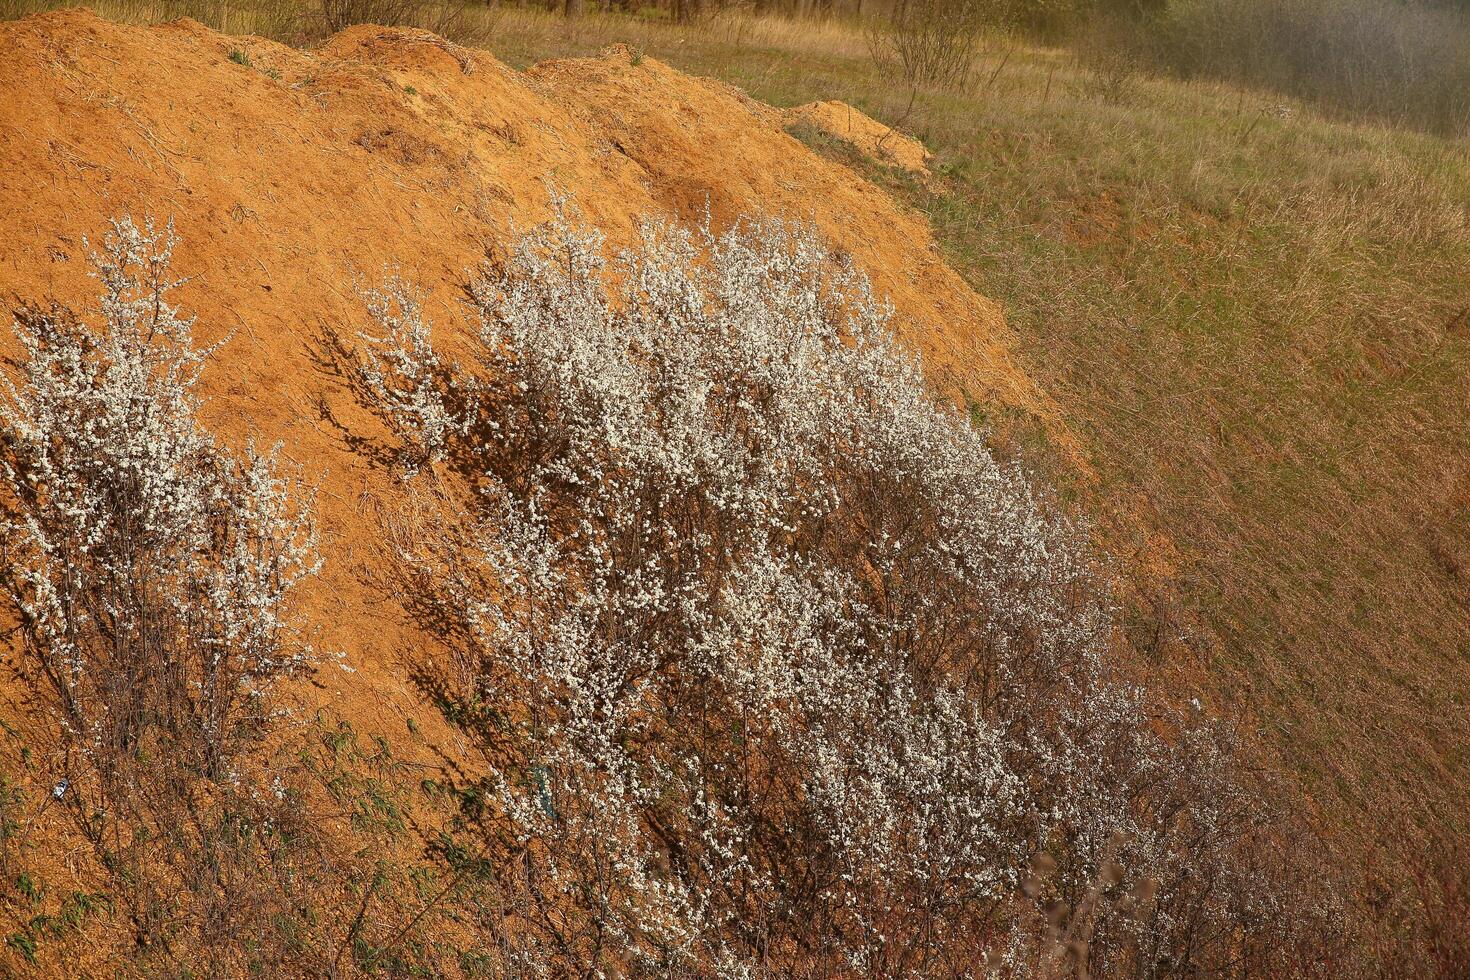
(1258, 321)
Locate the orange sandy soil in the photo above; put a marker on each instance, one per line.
(393, 147)
(866, 135)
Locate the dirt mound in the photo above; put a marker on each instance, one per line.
(866, 135)
(290, 175)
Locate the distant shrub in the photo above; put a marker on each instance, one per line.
(934, 42)
(1400, 61)
(1110, 60)
(775, 668)
(341, 14)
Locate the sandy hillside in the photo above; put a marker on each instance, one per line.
(293, 176)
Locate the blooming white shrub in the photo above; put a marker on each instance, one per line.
(773, 662)
(152, 572)
(151, 567)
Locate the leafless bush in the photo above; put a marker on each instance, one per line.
(341, 14)
(1112, 65)
(934, 42)
(1441, 887)
(454, 20)
(774, 667)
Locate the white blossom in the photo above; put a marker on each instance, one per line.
(151, 567)
(733, 580)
